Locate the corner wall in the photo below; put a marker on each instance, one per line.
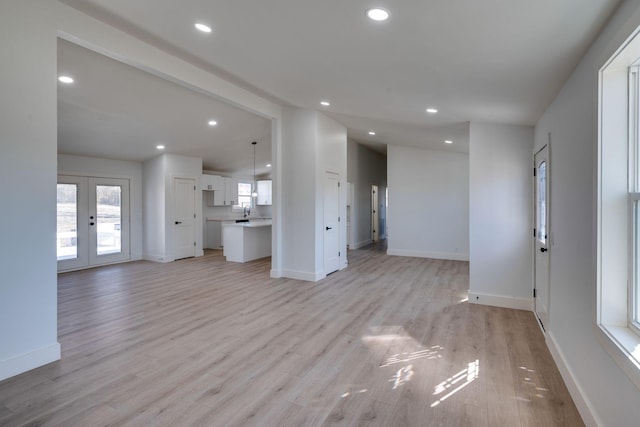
(312, 145)
(28, 150)
(500, 224)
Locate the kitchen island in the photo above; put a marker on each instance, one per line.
(246, 241)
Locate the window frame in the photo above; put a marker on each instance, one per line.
(239, 183)
(633, 198)
(617, 206)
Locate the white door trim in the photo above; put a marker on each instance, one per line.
(544, 323)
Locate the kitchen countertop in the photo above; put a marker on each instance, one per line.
(251, 224)
(253, 218)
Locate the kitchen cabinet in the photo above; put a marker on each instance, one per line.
(247, 241)
(227, 195)
(231, 190)
(210, 182)
(264, 192)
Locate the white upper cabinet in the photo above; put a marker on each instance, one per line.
(264, 192)
(231, 191)
(210, 182)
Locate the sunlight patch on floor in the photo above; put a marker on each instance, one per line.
(454, 384)
(428, 353)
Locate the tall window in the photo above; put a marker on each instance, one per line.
(618, 214)
(633, 198)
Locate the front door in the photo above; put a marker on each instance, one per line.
(92, 221)
(184, 222)
(541, 235)
(331, 223)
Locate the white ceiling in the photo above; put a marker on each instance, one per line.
(488, 61)
(113, 110)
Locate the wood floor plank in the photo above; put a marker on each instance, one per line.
(388, 341)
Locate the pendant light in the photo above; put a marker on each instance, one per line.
(254, 194)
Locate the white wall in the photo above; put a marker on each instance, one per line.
(312, 144)
(366, 168)
(602, 392)
(28, 291)
(158, 174)
(428, 213)
(153, 201)
(500, 225)
(299, 185)
(107, 168)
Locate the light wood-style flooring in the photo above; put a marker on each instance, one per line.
(389, 341)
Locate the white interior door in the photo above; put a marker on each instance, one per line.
(92, 221)
(331, 223)
(184, 213)
(541, 244)
(375, 215)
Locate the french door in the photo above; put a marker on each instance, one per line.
(92, 221)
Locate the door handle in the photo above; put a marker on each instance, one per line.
(178, 222)
(328, 228)
(543, 250)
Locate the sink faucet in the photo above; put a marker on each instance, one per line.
(246, 211)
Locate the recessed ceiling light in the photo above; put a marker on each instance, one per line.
(325, 103)
(212, 123)
(448, 141)
(202, 27)
(378, 14)
(65, 79)
(160, 147)
(371, 133)
(432, 110)
(268, 165)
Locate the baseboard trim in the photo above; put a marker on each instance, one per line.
(501, 301)
(275, 274)
(155, 258)
(303, 275)
(579, 398)
(28, 361)
(434, 255)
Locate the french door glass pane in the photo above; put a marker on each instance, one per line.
(67, 220)
(541, 205)
(108, 218)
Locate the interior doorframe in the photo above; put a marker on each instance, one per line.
(171, 216)
(549, 232)
(337, 225)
